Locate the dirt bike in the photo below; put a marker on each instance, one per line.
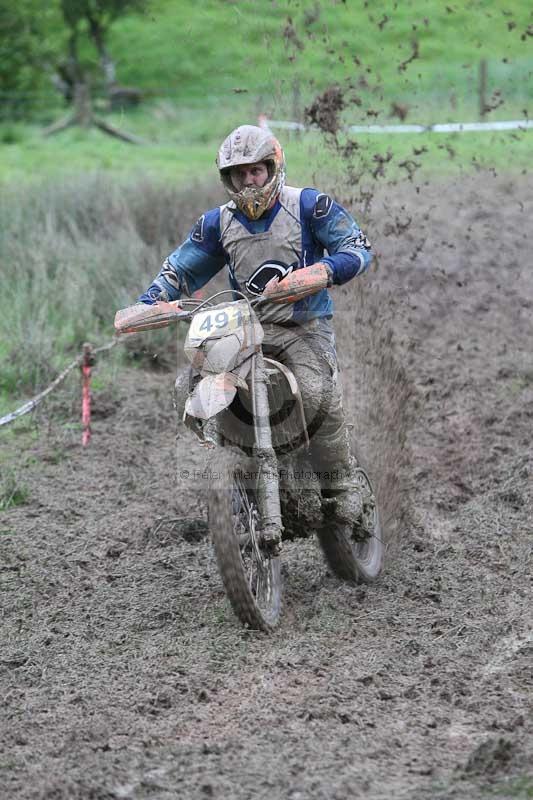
(263, 490)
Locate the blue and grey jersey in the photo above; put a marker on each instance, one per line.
(304, 226)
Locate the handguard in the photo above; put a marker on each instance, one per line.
(299, 284)
(142, 317)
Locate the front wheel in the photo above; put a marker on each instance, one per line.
(251, 576)
(356, 553)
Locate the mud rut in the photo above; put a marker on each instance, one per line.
(123, 671)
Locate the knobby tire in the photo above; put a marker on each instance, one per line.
(352, 560)
(251, 577)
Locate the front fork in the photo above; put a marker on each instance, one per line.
(268, 477)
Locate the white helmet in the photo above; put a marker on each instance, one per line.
(249, 144)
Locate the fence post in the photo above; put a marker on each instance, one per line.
(86, 365)
(482, 88)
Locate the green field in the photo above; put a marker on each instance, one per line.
(421, 52)
(311, 156)
(204, 68)
(205, 52)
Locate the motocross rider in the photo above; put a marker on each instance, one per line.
(264, 232)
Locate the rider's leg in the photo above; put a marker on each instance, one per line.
(309, 351)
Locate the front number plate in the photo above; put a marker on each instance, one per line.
(217, 322)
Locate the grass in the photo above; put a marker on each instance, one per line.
(519, 788)
(207, 67)
(268, 49)
(73, 252)
(75, 249)
(12, 491)
(76, 152)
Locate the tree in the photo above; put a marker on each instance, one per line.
(98, 16)
(40, 43)
(27, 47)
(94, 17)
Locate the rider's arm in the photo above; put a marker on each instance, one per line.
(349, 251)
(192, 264)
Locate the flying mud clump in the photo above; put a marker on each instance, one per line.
(325, 110)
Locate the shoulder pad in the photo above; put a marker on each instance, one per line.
(323, 205)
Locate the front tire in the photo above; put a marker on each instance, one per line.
(251, 576)
(352, 558)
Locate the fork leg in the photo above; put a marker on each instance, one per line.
(268, 477)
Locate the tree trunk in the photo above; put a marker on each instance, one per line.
(83, 110)
(98, 34)
(73, 66)
(83, 114)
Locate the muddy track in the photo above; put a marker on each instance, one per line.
(123, 671)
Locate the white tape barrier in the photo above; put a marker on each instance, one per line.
(34, 402)
(449, 127)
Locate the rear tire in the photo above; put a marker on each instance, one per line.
(251, 576)
(352, 559)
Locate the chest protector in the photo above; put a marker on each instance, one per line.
(280, 247)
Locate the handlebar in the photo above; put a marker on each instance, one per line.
(141, 317)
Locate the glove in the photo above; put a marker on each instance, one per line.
(154, 295)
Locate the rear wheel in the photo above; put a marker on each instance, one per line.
(250, 574)
(355, 553)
